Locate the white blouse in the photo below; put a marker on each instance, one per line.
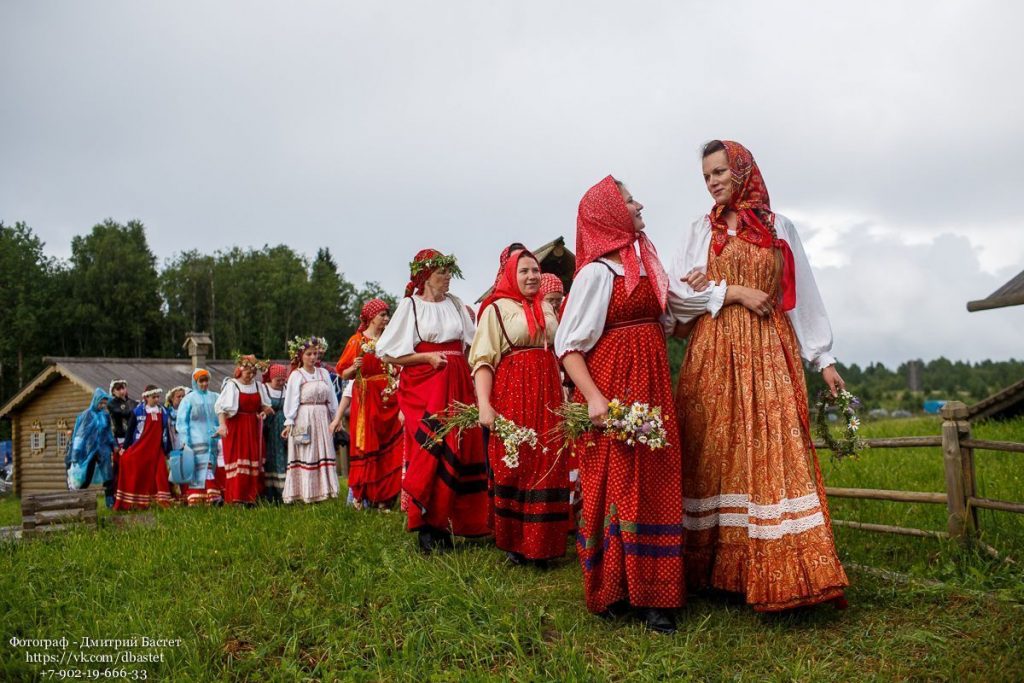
(293, 392)
(227, 401)
(809, 319)
(437, 321)
(586, 308)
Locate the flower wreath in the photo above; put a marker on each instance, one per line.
(251, 361)
(298, 346)
(445, 262)
(846, 403)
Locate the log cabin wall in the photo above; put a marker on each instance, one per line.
(42, 471)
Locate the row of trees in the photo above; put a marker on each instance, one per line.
(111, 299)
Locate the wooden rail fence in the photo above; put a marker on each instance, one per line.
(960, 497)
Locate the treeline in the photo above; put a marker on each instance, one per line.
(110, 298)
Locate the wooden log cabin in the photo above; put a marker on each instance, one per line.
(44, 411)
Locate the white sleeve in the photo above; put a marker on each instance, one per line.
(332, 400)
(264, 396)
(684, 304)
(809, 318)
(292, 397)
(399, 337)
(227, 401)
(586, 310)
(347, 391)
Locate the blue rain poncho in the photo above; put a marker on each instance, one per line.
(92, 442)
(196, 425)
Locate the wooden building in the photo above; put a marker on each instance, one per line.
(1009, 402)
(44, 411)
(554, 258)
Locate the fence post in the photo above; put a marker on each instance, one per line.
(954, 416)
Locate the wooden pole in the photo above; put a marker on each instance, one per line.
(970, 482)
(881, 494)
(956, 504)
(886, 529)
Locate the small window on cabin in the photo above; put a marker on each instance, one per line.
(62, 442)
(37, 441)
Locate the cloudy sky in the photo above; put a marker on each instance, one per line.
(889, 132)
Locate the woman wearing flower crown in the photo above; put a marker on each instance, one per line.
(612, 346)
(142, 478)
(309, 405)
(375, 431)
(446, 483)
(516, 375)
(756, 514)
(241, 408)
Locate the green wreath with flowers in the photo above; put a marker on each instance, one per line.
(846, 404)
(299, 344)
(446, 262)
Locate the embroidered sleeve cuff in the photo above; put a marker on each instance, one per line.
(823, 361)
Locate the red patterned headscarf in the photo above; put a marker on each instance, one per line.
(371, 309)
(604, 225)
(417, 281)
(507, 287)
(278, 370)
(751, 204)
(549, 282)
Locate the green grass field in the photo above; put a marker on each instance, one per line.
(328, 593)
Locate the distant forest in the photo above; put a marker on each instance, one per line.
(111, 298)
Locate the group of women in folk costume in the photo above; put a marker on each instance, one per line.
(375, 427)
(309, 406)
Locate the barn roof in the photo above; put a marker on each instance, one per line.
(1010, 294)
(90, 373)
(1003, 404)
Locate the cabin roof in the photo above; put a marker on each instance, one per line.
(1010, 294)
(554, 258)
(90, 373)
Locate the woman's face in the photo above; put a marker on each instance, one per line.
(439, 281)
(555, 299)
(203, 383)
(380, 320)
(718, 177)
(153, 400)
(277, 383)
(634, 207)
(247, 374)
(102, 404)
(120, 391)
(176, 398)
(528, 276)
(310, 356)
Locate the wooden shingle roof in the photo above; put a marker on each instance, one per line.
(1010, 294)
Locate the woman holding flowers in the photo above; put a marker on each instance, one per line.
(375, 430)
(446, 481)
(241, 408)
(309, 404)
(757, 518)
(612, 346)
(517, 377)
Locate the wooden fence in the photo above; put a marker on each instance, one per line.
(960, 497)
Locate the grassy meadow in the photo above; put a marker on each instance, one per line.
(328, 593)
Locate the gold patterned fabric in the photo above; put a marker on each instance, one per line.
(756, 515)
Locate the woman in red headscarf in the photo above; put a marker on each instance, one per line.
(552, 291)
(375, 431)
(446, 483)
(611, 343)
(756, 514)
(516, 375)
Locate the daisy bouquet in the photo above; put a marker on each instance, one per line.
(632, 423)
(462, 416)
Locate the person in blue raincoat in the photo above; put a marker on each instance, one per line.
(92, 443)
(196, 425)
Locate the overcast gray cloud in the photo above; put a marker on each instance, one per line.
(889, 131)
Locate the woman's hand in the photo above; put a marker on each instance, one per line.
(437, 360)
(335, 425)
(222, 431)
(286, 432)
(833, 380)
(597, 409)
(697, 279)
(358, 362)
(752, 299)
(487, 415)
